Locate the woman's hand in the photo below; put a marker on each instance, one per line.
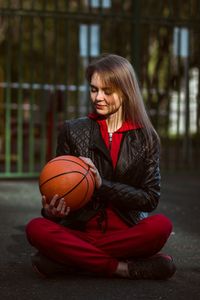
(55, 208)
(93, 169)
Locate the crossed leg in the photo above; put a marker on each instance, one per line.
(97, 252)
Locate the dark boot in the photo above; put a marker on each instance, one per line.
(48, 268)
(159, 266)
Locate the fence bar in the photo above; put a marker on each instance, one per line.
(187, 113)
(136, 37)
(66, 60)
(43, 94)
(55, 96)
(31, 117)
(19, 175)
(178, 134)
(8, 105)
(20, 100)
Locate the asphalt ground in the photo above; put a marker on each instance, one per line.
(180, 201)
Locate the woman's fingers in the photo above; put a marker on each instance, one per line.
(94, 170)
(62, 208)
(44, 203)
(60, 204)
(87, 161)
(64, 211)
(57, 207)
(53, 201)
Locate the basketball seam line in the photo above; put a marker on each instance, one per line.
(61, 175)
(84, 176)
(62, 159)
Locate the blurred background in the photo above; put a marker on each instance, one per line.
(45, 47)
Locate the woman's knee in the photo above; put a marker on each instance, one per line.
(162, 225)
(34, 228)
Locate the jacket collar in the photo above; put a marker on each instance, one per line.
(96, 142)
(126, 126)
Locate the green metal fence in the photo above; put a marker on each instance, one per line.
(45, 46)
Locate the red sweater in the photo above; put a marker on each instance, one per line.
(109, 221)
(114, 144)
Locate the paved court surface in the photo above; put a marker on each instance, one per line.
(180, 201)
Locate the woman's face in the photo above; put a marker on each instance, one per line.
(105, 100)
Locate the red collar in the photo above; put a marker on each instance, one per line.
(126, 126)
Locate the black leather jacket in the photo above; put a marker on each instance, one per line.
(132, 187)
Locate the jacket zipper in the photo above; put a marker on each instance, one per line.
(110, 139)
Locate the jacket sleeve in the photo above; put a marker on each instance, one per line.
(146, 197)
(62, 144)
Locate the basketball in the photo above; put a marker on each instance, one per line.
(68, 177)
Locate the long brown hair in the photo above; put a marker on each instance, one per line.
(116, 72)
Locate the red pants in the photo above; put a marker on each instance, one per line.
(95, 251)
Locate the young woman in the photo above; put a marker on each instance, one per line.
(113, 234)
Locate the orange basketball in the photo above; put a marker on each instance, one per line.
(70, 178)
